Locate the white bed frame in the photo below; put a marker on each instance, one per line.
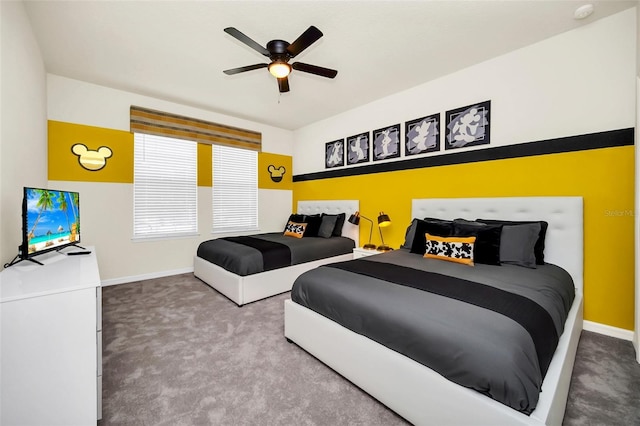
(254, 287)
(416, 392)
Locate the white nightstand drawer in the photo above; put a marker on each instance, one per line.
(359, 252)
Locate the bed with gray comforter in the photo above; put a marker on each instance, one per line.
(489, 328)
(264, 252)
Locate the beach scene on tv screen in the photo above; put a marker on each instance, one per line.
(53, 219)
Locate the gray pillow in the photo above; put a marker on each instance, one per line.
(327, 225)
(517, 244)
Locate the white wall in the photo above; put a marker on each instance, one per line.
(107, 208)
(23, 134)
(79, 102)
(578, 82)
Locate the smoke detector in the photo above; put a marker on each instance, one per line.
(583, 11)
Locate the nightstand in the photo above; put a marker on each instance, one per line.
(359, 252)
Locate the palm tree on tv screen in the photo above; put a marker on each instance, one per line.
(75, 207)
(62, 200)
(45, 202)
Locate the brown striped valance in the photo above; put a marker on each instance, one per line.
(160, 123)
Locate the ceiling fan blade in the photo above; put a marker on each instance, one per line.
(246, 40)
(306, 39)
(233, 71)
(314, 69)
(283, 84)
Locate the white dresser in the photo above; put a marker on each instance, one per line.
(51, 341)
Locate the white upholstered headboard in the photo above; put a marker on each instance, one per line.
(564, 240)
(348, 207)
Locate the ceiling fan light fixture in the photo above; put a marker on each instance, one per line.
(279, 69)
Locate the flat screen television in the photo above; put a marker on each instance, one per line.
(50, 220)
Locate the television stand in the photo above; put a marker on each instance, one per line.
(19, 259)
(70, 245)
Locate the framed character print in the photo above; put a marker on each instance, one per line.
(358, 148)
(334, 154)
(386, 143)
(422, 135)
(468, 126)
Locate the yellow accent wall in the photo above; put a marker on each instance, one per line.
(603, 177)
(278, 166)
(64, 165)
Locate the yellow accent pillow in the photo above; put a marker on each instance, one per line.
(295, 229)
(452, 249)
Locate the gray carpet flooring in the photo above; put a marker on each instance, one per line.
(176, 352)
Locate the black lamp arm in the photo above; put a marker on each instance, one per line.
(381, 238)
(371, 228)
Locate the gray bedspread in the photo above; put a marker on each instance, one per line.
(469, 345)
(244, 260)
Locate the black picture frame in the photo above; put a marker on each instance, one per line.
(386, 143)
(334, 154)
(357, 148)
(422, 135)
(468, 126)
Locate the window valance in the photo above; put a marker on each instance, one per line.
(152, 122)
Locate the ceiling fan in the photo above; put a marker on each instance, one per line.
(280, 52)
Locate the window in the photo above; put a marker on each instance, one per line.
(235, 189)
(165, 191)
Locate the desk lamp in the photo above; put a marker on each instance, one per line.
(355, 219)
(383, 222)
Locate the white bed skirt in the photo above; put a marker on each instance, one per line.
(254, 287)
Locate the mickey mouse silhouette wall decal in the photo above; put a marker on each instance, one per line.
(90, 159)
(276, 174)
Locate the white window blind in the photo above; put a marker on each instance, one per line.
(235, 189)
(165, 191)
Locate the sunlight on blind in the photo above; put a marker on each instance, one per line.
(235, 189)
(165, 192)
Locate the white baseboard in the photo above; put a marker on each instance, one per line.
(608, 330)
(130, 279)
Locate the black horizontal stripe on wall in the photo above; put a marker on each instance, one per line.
(608, 139)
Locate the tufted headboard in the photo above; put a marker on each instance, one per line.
(564, 240)
(334, 207)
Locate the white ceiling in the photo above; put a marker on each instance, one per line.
(177, 50)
